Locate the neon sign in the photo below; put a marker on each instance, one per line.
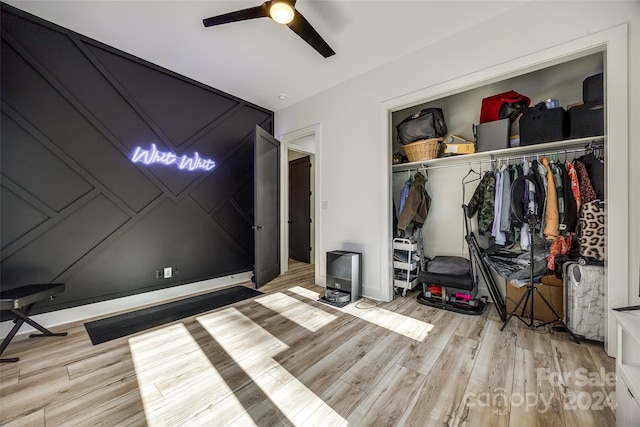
(153, 156)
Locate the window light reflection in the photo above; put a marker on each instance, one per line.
(390, 320)
(251, 346)
(303, 314)
(177, 381)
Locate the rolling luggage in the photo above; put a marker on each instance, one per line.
(584, 300)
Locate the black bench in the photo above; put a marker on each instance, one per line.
(18, 302)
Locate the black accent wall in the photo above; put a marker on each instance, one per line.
(76, 209)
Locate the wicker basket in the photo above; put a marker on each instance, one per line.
(424, 149)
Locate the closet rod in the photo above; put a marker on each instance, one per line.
(547, 153)
(494, 158)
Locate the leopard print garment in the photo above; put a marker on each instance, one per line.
(593, 234)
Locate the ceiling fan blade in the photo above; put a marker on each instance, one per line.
(239, 15)
(303, 28)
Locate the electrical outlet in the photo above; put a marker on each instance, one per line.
(168, 272)
(160, 273)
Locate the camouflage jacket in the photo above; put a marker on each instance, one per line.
(483, 202)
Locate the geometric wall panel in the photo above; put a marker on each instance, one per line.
(225, 180)
(179, 110)
(49, 254)
(18, 217)
(76, 209)
(175, 235)
(39, 172)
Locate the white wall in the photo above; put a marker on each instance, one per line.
(354, 163)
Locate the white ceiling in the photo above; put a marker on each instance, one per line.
(257, 60)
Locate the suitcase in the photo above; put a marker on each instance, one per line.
(584, 300)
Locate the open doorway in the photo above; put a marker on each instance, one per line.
(298, 145)
(299, 220)
(301, 206)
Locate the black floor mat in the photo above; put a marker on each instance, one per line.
(129, 323)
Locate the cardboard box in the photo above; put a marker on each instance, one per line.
(459, 148)
(553, 291)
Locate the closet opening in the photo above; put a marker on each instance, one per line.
(556, 73)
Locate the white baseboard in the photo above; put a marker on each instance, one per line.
(103, 308)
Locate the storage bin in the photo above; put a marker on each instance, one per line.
(586, 120)
(592, 89)
(542, 125)
(493, 135)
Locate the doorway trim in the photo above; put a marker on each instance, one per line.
(292, 141)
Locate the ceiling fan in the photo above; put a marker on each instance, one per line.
(283, 12)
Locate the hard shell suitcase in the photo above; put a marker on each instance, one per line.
(584, 300)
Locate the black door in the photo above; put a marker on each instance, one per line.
(266, 207)
(299, 210)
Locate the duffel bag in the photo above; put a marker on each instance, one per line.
(425, 124)
(506, 105)
(451, 265)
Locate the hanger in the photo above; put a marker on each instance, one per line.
(464, 183)
(589, 149)
(426, 174)
(471, 171)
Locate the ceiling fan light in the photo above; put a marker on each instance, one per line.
(281, 12)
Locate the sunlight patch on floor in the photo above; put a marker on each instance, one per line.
(399, 323)
(176, 379)
(290, 396)
(304, 292)
(303, 314)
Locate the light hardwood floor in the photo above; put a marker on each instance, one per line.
(285, 359)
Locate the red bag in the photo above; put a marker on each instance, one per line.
(502, 106)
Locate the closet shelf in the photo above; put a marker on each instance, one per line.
(464, 159)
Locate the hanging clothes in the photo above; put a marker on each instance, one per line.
(404, 193)
(525, 239)
(575, 186)
(540, 172)
(595, 169)
(498, 234)
(560, 246)
(517, 195)
(482, 202)
(505, 212)
(557, 177)
(587, 193)
(416, 207)
(551, 214)
(571, 211)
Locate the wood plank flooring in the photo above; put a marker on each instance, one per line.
(284, 359)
